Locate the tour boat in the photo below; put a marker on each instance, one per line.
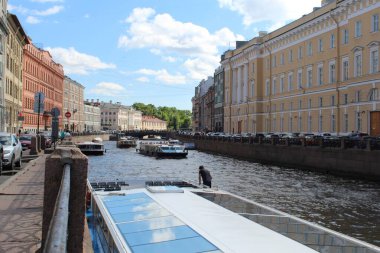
(126, 142)
(172, 217)
(91, 148)
(162, 149)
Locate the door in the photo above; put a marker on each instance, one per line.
(375, 123)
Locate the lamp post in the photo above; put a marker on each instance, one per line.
(74, 111)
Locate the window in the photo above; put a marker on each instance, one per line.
(345, 36)
(290, 55)
(358, 64)
(373, 94)
(375, 23)
(346, 122)
(320, 101)
(309, 77)
(357, 96)
(345, 99)
(274, 86)
(290, 82)
(358, 29)
(332, 100)
(274, 63)
(332, 40)
(320, 123)
(310, 49)
(320, 45)
(300, 52)
(252, 88)
(291, 106)
(320, 74)
(267, 88)
(309, 122)
(300, 104)
(282, 84)
(332, 72)
(345, 69)
(374, 60)
(309, 103)
(282, 59)
(358, 122)
(333, 123)
(299, 79)
(299, 124)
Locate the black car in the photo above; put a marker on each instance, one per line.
(1, 158)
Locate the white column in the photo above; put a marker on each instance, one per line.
(239, 85)
(246, 86)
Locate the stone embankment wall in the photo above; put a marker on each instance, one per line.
(351, 162)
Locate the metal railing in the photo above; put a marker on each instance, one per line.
(56, 240)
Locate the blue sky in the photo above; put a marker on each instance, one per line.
(149, 51)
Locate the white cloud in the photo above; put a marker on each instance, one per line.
(163, 76)
(32, 20)
(109, 89)
(75, 62)
(169, 59)
(20, 9)
(274, 11)
(143, 79)
(51, 11)
(167, 37)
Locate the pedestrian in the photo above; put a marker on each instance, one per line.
(204, 176)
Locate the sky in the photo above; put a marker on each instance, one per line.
(149, 51)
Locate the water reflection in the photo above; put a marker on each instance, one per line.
(345, 205)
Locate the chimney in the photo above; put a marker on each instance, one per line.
(92, 100)
(262, 33)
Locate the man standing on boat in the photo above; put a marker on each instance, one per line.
(205, 176)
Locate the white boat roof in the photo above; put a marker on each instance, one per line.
(171, 219)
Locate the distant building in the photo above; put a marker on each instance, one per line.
(115, 116)
(92, 116)
(3, 37)
(73, 102)
(41, 74)
(16, 40)
(219, 99)
(153, 123)
(200, 102)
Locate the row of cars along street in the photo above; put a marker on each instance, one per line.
(352, 140)
(12, 151)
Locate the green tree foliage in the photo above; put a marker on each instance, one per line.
(176, 119)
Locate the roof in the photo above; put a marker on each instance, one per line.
(180, 221)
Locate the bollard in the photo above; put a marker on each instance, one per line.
(33, 148)
(38, 136)
(43, 142)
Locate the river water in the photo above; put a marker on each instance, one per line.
(348, 206)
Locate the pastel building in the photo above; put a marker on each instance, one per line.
(73, 102)
(115, 116)
(153, 123)
(91, 116)
(319, 73)
(4, 31)
(41, 74)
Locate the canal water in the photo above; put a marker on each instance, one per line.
(348, 206)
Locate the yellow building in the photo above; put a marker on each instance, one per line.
(153, 123)
(13, 73)
(319, 73)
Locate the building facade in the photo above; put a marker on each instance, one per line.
(153, 123)
(219, 100)
(73, 102)
(91, 116)
(200, 111)
(41, 74)
(317, 74)
(16, 40)
(3, 39)
(115, 116)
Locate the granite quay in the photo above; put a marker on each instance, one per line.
(339, 157)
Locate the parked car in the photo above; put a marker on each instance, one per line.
(26, 141)
(12, 150)
(1, 160)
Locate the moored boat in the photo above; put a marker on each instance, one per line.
(175, 216)
(91, 148)
(126, 142)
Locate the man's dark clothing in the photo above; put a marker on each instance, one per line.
(206, 177)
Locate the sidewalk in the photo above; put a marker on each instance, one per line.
(21, 206)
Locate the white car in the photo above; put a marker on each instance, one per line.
(12, 150)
